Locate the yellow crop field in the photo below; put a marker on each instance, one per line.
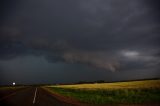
(116, 85)
(131, 92)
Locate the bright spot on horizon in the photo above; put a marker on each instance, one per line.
(14, 83)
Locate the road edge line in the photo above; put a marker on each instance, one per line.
(65, 99)
(35, 94)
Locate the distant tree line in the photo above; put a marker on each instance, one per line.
(87, 82)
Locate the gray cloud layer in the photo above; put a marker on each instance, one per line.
(104, 34)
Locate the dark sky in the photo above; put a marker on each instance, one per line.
(64, 41)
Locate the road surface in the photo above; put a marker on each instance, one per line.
(32, 96)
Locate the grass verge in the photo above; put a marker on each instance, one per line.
(121, 96)
(125, 93)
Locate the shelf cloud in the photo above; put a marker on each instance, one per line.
(115, 36)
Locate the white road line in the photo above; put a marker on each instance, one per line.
(35, 94)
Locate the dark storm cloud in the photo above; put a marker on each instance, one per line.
(104, 34)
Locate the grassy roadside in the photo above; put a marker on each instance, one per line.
(113, 93)
(7, 90)
(11, 87)
(124, 96)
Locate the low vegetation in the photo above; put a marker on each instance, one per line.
(116, 85)
(6, 90)
(11, 87)
(135, 92)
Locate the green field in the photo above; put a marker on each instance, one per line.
(134, 92)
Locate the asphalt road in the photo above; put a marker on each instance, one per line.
(33, 96)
